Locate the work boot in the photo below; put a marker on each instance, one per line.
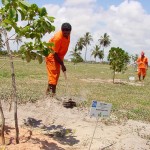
(53, 89)
(48, 90)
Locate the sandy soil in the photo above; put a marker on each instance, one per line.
(48, 125)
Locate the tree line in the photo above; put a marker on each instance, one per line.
(38, 23)
(83, 43)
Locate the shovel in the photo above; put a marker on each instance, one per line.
(69, 103)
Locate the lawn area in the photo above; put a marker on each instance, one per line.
(86, 82)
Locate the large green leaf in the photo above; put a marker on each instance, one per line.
(12, 13)
(43, 11)
(22, 14)
(28, 56)
(34, 7)
(16, 19)
(33, 55)
(40, 59)
(24, 3)
(51, 19)
(47, 51)
(5, 2)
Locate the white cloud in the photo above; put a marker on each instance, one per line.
(79, 2)
(127, 24)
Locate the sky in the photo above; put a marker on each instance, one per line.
(127, 22)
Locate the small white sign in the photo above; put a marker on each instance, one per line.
(100, 109)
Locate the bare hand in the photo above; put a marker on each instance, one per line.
(63, 68)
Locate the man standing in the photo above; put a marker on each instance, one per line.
(142, 63)
(54, 61)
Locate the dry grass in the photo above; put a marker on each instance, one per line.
(86, 82)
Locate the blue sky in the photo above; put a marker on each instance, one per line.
(105, 3)
(127, 22)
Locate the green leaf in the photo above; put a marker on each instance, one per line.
(33, 55)
(12, 13)
(16, 19)
(34, 7)
(46, 52)
(43, 12)
(40, 59)
(24, 3)
(22, 14)
(5, 2)
(28, 56)
(8, 28)
(51, 19)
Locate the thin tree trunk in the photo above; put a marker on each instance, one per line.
(103, 54)
(13, 87)
(114, 77)
(85, 53)
(3, 124)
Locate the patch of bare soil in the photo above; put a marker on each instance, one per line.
(117, 81)
(48, 125)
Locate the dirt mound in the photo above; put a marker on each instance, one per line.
(48, 125)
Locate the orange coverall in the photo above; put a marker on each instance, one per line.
(61, 45)
(142, 65)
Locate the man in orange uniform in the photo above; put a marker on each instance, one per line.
(142, 63)
(54, 60)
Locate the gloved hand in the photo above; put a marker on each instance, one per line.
(63, 68)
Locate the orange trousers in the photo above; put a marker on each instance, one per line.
(53, 71)
(142, 71)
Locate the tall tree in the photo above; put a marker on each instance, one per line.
(105, 41)
(87, 40)
(118, 60)
(101, 55)
(80, 44)
(36, 23)
(1, 40)
(76, 55)
(95, 51)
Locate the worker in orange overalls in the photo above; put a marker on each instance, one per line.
(142, 63)
(54, 61)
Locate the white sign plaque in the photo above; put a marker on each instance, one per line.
(100, 109)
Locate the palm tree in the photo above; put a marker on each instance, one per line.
(1, 42)
(87, 39)
(76, 54)
(101, 55)
(80, 44)
(105, 41)
(95, 51)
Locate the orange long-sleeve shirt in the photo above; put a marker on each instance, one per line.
(142, 62)
(61, 45)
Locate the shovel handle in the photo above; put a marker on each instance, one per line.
(65, 75)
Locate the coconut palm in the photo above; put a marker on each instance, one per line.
(87, 39)
(76, 55)
(105, 41)
(95, 51)
(80, 44)
(1, 42)
(101, 55)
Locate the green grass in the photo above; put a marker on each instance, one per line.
(86, 82)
